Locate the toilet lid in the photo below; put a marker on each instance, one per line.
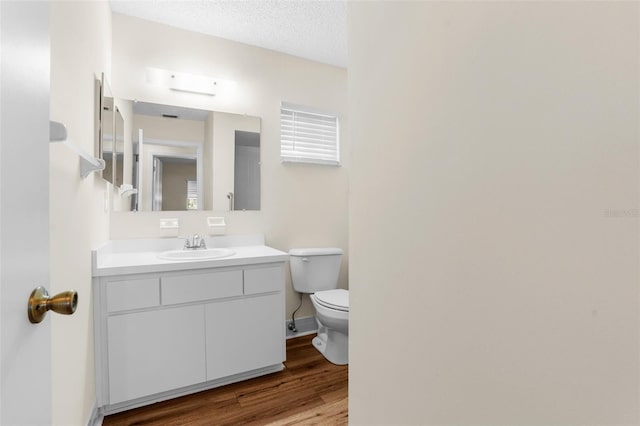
(334, 299)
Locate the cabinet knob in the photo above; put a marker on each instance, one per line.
(40, 302)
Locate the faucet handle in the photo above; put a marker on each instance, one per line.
(194, 241)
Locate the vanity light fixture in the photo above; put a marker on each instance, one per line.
(186, 82)
(190, 83)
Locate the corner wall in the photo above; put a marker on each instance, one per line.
(498, 283)
(80, 50)
(302, 205)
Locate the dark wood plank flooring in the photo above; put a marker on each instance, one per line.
(310, 390)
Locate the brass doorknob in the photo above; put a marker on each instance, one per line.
(39, 303)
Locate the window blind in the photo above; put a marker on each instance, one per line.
(308, 136)
(192, 195)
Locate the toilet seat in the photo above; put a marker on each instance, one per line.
(337, 299)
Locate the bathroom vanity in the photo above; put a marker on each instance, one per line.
(165, 328)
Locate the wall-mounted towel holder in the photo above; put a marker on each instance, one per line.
(88, 163)
(127, 190)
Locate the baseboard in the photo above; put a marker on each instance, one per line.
(304, 325)
(96, 418)
(176, 393)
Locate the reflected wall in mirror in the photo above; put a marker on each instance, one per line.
(106, 139)
(185, 158)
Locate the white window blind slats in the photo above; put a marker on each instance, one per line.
(192, 189)
(311, 134)
(307, 129)
(192, 194)
(308, 140)
(300, 121)
(296, 122)
(310, 146)
(310, 117)
(306, 136)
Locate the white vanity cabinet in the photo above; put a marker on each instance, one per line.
(163, 334)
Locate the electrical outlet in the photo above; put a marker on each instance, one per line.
(169, 223)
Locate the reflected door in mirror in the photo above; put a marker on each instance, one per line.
(174, 184)
(246, 181)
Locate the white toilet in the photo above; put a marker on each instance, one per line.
(315, 271)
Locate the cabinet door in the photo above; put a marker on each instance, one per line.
(155, 351)
(244, 334)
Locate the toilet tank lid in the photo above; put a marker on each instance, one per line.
(315, 251)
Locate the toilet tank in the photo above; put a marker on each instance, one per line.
(315, 269)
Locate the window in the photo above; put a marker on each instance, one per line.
(192, 195)
(308, 136)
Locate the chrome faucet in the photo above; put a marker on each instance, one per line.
(194, 242)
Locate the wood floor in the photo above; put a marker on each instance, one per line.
(310, 390)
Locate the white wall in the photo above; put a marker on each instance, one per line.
(493, 241)
(302, 206)
(80, 49)
(169, 128)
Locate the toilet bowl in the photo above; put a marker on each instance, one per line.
(332, 315)
(315, 272)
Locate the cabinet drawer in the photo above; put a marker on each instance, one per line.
(133, 294)
(199, 287)
(263, 280)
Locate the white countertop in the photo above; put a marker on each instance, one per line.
(141, 256)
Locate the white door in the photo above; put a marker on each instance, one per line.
(25, 348)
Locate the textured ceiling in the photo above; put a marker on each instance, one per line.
(311, 29)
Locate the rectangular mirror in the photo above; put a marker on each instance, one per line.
(191, 159)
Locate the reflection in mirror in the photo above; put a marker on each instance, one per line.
(118, 156)
(184, 158)
(169, 143)
(106, 129)
(174, 183)
(246, 181)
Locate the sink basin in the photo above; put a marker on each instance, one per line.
(206, 254)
